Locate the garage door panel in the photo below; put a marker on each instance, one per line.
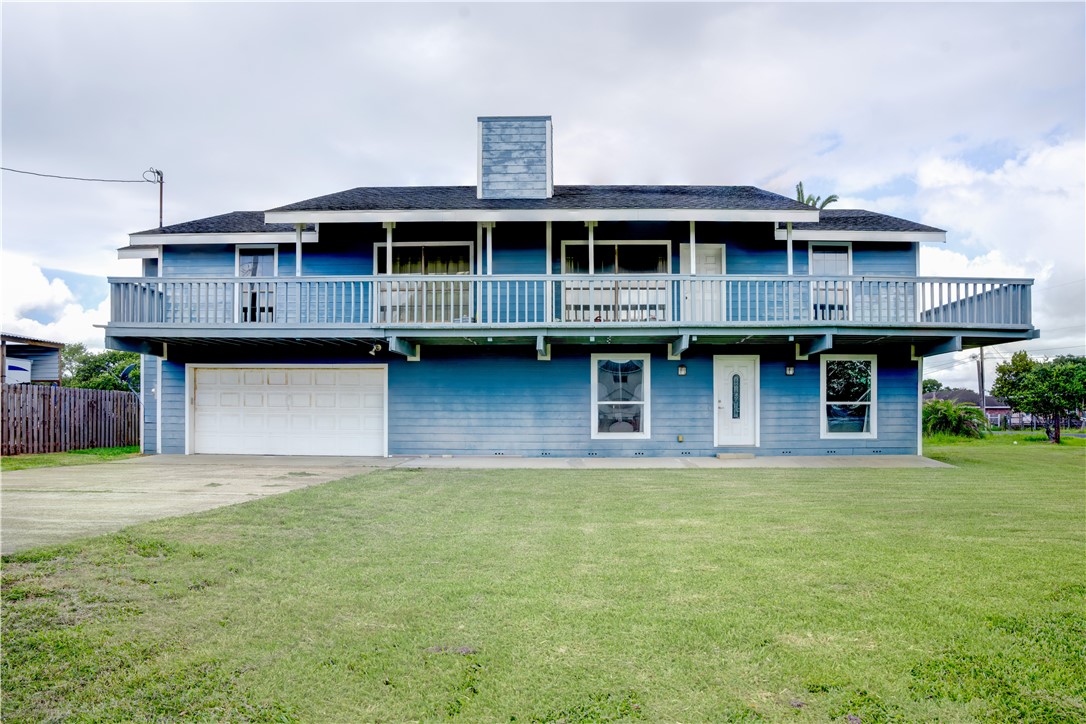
(299, 411)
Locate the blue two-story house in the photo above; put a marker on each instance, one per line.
(517, 317)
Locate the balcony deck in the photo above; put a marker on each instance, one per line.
(510, 308)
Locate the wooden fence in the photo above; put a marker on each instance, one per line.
(36, 419)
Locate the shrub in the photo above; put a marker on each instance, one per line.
(948, 417)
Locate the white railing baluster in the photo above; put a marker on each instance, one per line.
(615, 299)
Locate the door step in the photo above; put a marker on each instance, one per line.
(735, 456)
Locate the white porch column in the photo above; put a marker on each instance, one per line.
(489, 247)
(591, 246)
(788, 234)
(548, 289)
(297, 250)
(389, 226)
(693, 252)
(550, 258)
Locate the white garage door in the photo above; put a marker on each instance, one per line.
(289, 410)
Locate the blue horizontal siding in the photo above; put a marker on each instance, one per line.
(502, 400)
(211, 260)
(149, 403)
(884, 259)
(172, 391)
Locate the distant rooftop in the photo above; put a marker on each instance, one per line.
(31, 341)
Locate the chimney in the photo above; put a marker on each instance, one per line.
(515, 158)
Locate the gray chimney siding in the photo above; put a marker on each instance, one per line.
(515, 159)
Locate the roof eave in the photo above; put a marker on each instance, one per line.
(236, 237)
(887, 236)
(347, 216)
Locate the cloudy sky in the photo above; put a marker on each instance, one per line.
(969, 117)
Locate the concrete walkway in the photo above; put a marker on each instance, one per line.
(45, 506)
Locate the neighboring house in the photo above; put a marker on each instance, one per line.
(517, 317)
(25, 359)
(995, 408)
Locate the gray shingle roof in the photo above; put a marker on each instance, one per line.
(235, 222)
(412, 198)
(860, 220)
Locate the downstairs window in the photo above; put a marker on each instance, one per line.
(620, 396)
(849, 398)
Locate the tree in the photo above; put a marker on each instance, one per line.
(98, 370)
(953, 418)
(1052, 389)
(930, 385)
(812, 200)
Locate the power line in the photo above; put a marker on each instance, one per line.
(80, 178)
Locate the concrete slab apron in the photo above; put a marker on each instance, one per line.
(46, 506)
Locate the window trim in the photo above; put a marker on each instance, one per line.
(254, 247)
(617, 242)
(810, 254)
(646, 389)
(873, 404)
(379, 248)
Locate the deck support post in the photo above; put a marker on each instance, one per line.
(941, 346)
(542, 349)
(821, 343)
(410, 350)
(678, 346)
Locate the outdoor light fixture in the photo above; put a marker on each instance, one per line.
(789, 370)
(682, 370)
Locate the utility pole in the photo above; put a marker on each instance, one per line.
(155, 176)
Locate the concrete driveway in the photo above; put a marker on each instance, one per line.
(46, 506)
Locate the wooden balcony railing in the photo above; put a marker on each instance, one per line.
(411, 301)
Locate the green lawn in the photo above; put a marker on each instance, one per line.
(75, 457)
(576, 596)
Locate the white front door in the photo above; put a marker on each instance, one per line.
(735, 389)
(704, 298)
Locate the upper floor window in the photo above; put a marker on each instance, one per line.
(617, 257)
(431, 258)
(849, 387)
(831, 260)
(257, 261)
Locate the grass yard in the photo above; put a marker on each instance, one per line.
(579, 596)
(74, 457)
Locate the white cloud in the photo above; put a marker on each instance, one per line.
(28, 291)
